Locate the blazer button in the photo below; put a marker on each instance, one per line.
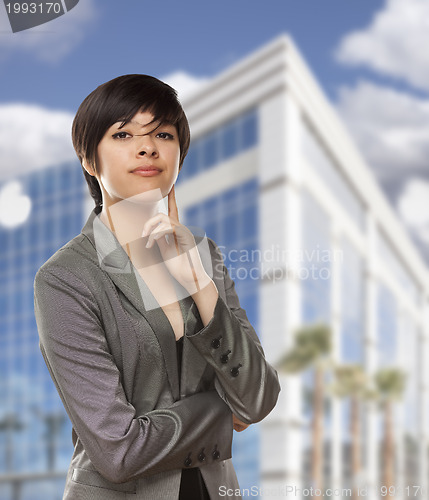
(202, 456)
(216, 453)
(188, 461)
(234, 371)
(224, 357)
(216, 343)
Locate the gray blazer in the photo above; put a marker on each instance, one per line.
(113, 361)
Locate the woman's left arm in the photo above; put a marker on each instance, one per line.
(246, 381)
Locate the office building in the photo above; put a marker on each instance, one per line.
(307, 235)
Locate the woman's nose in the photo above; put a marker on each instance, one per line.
(147, 147)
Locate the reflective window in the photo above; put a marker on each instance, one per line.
(315, 262)
(223, 217)
(35, 432)
(411, 400)
(320, 160)
(352, 304)
(249, 130)
(210, 148)
(220, 144)
(229, 140)
(387, 327)
(396, 267)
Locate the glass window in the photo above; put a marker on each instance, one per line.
(230, 226)
(66, 179)
(229, 141)
(387, 320)
(315, 262)
(4, 240)
(209, 208)
(191, 216)
(211, 230)
(210, 150)
(221, 144)
(249, 190)
(3, 305)
(53, 221)
(320, 159)
(229, 199)
(190, 165)
(222, 217)
(352, 303)
(390, 258)
(249, 132)
(249, 222)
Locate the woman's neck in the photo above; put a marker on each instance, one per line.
(126, 219)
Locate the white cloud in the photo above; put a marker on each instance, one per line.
(390, 127)
(184, 83)
(32, 138)
(15, 205)
(49, 42)
(413, 205)
(395, 43)
(413, 208)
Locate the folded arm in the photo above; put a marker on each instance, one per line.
(245, 380)
(121, 445)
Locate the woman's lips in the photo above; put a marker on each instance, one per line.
(147, 171)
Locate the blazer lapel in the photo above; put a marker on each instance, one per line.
(113, 259)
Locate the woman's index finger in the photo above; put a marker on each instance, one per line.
(172, 206)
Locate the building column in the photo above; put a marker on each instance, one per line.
(423, 398)
(336, 319)
(399, 410)
(370, 358)
(281, 304)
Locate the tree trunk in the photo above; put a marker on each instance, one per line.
(317, 450)
(388, 447)
(355, 444)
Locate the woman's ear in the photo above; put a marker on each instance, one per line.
(88, 168)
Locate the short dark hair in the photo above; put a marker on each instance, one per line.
(118, 100)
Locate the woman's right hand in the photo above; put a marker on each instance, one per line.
(238, 425)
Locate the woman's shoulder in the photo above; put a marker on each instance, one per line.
(75, 256)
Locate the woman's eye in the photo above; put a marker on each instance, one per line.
(121, 135)
(165, 135)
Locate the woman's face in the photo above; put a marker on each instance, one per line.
(136, 159)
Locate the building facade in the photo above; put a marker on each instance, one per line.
(326, 247)
(35, 433)
(307, 236)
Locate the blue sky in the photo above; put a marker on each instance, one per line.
(369, 56)
(200, 37)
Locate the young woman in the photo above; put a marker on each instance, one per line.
(139, 322)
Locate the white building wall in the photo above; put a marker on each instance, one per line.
(277, 82)
(280, 179)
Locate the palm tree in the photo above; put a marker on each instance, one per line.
(312, 347)
(54, 422)
(10, 423)
(390, 383)
(352, 382)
